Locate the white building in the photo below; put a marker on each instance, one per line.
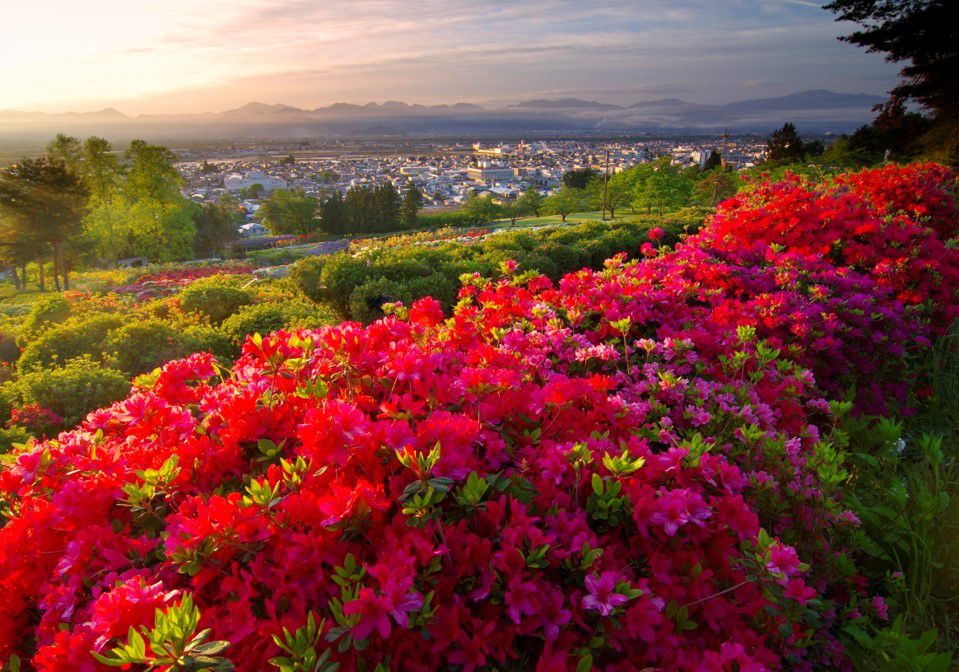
(415, 171)
(490, 173)
(238, 182)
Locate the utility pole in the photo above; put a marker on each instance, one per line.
(605, 185)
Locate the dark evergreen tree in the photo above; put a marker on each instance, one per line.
(714, 160)
(785, 145)
(923, 34)
(412, 202)
(578, 179)
(333, 217)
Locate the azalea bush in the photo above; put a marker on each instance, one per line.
(643, 465)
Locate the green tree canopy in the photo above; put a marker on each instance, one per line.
(564, 201)
(42, 202)
(290, 211)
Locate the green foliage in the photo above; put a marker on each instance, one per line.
(904, 489)
(662, 187)
(307, 275)
(207, 338)
(366, 301)
(785, 146)
(443, 218)
(216, 226)
(410, 206)
(409, 272)
(480, 210)
(290, 211)
(10, 436)
(300, 649)
(50, 309)
(75, 337)
(263, 318)
(215, 298)
(73, 390)
(172, 644)
(565, 201)
(893, 649)
(141, 346)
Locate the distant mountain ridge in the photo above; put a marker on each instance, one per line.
(816, 110)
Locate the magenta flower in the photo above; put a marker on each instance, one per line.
(602, 595)
(373, 611)
(797, 590)
(783, 560)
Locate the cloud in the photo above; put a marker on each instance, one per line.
(193, 55)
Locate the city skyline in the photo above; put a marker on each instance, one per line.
(183, 58)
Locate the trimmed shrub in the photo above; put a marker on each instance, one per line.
(140, 347)
(9, 350)
(216, 298)
(207, 338)
(48, 310)
(366, 301)
(306, 274)
(76, 337)
(74, 389)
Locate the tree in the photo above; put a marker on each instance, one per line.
(216, 226)
(785, 145)
(714, 160)
(529, 203)
(563, 202)
(102, 173)
(129, 209)
(481, 210)
(579, 178)
(924, 34)
(666, 188)
(44, 203)
(715, 185)
(152, 173)
(412, 202)
(290, 211)
(333, 216)
(66, 149)
(617, 191)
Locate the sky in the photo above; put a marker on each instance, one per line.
(147, 56)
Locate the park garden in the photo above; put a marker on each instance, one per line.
(674, 440)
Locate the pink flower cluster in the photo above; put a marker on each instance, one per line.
(625, 470)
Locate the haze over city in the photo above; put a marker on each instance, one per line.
(183, 56)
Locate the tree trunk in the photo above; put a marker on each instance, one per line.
(41, 277)
(60, 264)
(23, 274)
(56, 269)
(564, 219)
(16, 278)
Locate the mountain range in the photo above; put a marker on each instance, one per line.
(814, 111)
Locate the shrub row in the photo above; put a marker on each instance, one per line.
(357, 285)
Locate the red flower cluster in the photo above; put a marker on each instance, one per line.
(897, 224)
(164, 283)
(628, 470)
(35, 418)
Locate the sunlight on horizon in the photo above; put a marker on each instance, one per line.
(148, 58)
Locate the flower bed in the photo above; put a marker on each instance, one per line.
(164, 283)
(637, 467)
